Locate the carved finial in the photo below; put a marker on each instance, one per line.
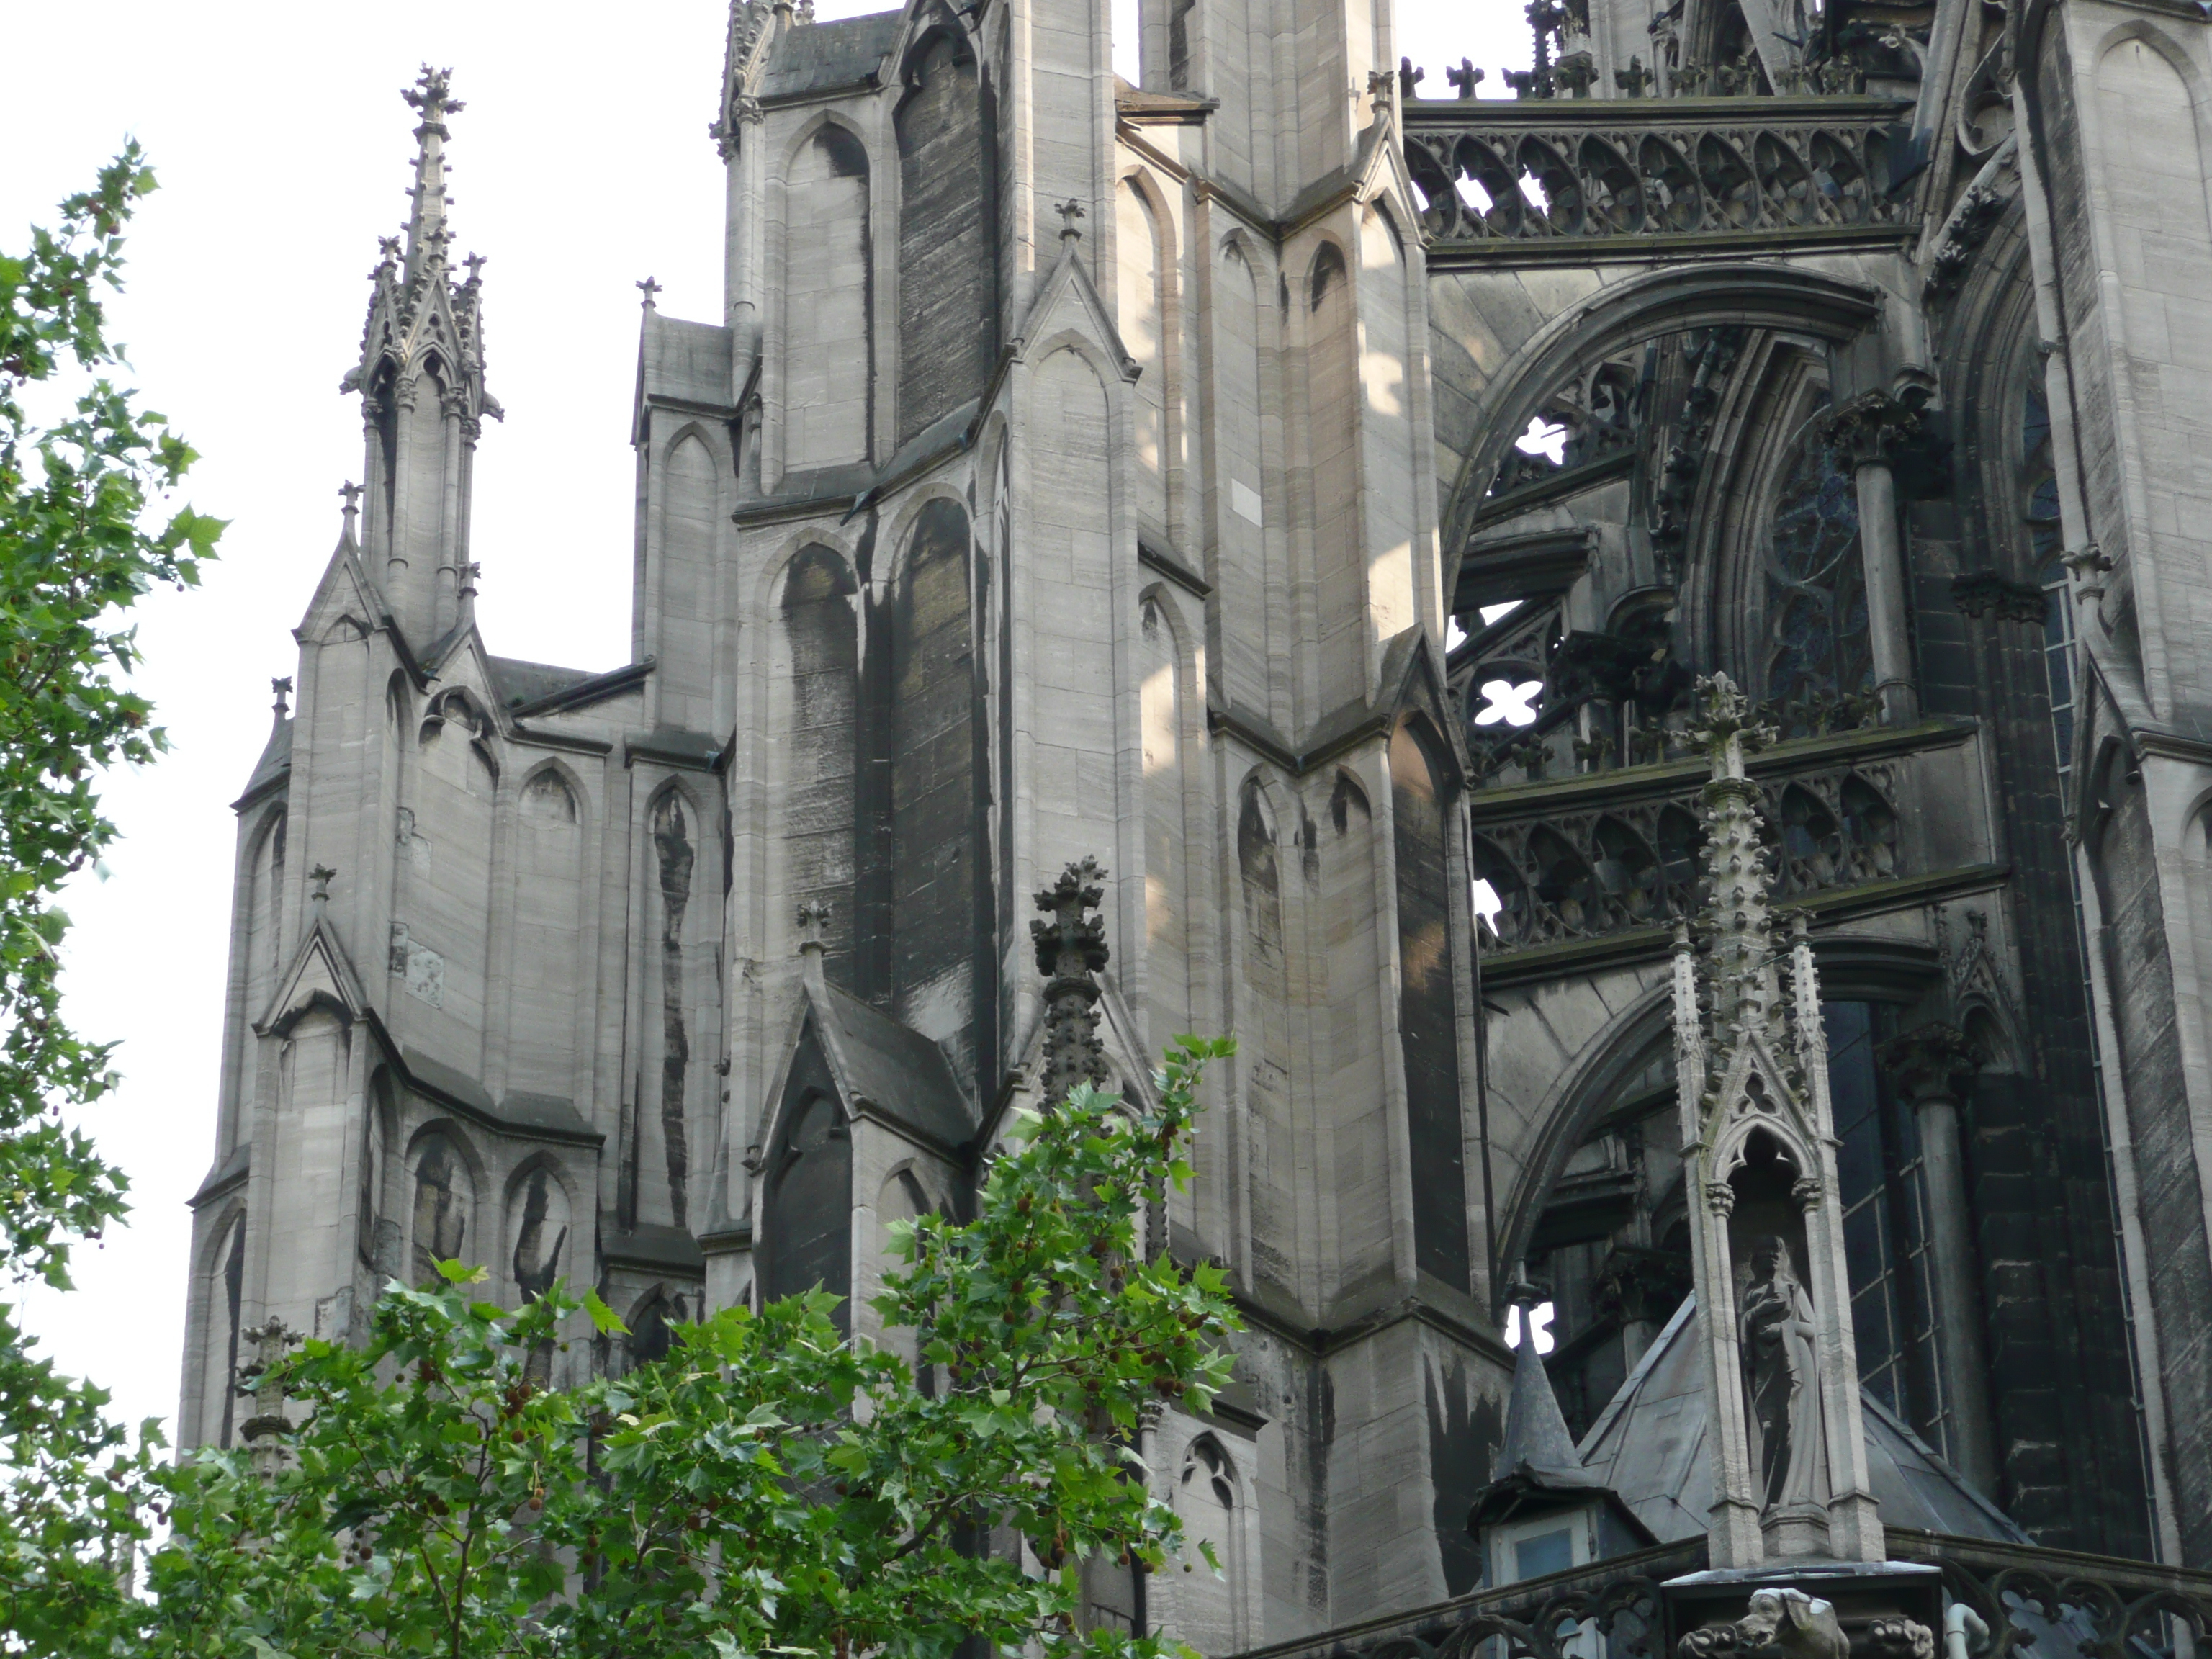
(264, 1429)
(1409, 77)
(321, 876)
(1069, 211)
(475, 263)
(282, 687)
(649, 288)
(1465, 78)
(1071, 947)
(427, 236)
(1635, 80)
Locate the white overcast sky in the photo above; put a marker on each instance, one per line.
(581, 165)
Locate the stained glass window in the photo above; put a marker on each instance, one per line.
(2039, 491)
(1816, 611)
(1879, 1180)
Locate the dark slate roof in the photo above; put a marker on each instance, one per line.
(533, 682)
(688, 361)
(893, 1068)
(654, 1247)
(546, 1115)
(1648, 1445)
(816, 57)
(276, 763)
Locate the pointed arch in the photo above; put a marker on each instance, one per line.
(444, 1174)
(1428, 1002)
(1211, 1494)
(945, 127)
(540, 1241)
(547, 917)
(1264, 1023)
(1238, 511)
(1167, 691)
(806, 1233)
(816, 700)
(1350, 1037)
(681, 593)
(678, 838)
(820, 375)
(220, 1294)
(1329, 325)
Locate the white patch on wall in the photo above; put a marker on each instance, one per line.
(1244, 500)
(421, 971)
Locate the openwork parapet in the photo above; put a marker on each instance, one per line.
(1497, 173)
(1564, 872)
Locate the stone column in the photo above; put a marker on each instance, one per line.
(1865, 434)
(1930, 1066)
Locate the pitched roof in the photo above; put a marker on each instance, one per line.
(891, 1067)
(815, 57)
(1649, 1446)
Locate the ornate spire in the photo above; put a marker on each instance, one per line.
(1786, 1438)
(1070, 948)
(1536, 1437)
(426, 233)
(1738, 919)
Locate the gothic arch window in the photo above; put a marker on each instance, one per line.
(1817, 642)
(675, 829)
(538, 1228)
(808, 1226)
(223, 1285)
(442, 1210)
(2039, 497)
(826, 300)
(1209, 1497)
(1885, 1235)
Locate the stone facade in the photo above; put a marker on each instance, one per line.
(1079, 469)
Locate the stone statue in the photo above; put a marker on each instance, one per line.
(1781, 1378)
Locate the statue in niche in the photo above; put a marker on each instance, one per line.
(1781, 1377)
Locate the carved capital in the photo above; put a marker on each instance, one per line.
(1871, 430)
(1930, 1062)
(1720, 1198)
(1805, 1191)
(1985, 592)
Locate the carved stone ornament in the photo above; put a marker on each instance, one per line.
(1985, 592)
(1071, 947)
(1720, 1198)
(1933, 1061)
(1901, 1638)
(1782, 1623)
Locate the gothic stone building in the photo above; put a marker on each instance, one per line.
(1145, 472)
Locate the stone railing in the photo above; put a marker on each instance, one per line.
(1607, 1610)
(1583, 864)
(2037, 1604)
(2056, 1604)
(1494, 174)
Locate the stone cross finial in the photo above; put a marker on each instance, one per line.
(321, 875)
(1071, 947)
(1729, 725)
(648, 287)
(475, 263)
(1409, 77)
(387, 248)
(282, 687)
(349, 514)
(1635, 80)
(1465, 78)
(1069, 211)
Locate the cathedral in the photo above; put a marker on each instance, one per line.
(1639, 645)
